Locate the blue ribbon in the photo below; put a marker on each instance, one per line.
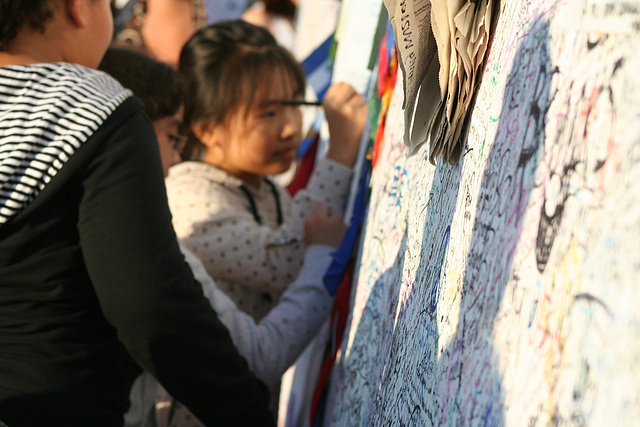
(335, 273)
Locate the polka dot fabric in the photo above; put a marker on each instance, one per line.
(251, 262)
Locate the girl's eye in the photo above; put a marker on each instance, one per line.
(268, 113)
(177, 141)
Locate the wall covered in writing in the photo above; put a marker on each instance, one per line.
(504, 290)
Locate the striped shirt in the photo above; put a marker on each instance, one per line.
(47, 111)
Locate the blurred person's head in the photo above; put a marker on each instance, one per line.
(159, 87)
(75, 31)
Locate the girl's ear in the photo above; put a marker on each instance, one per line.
(207, 133)
(75, 10)
(212, 139)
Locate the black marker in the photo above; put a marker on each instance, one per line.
(297, 102)
(275, 245)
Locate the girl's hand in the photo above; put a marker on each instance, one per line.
(323, 227)
(346, 112)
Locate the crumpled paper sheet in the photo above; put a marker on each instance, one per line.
(441, 48)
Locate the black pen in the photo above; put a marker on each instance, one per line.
(299, 102)
(275, 245)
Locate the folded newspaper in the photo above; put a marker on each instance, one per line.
(441, 47)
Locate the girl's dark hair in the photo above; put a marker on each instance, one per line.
(223, 66)
(158, 86)
(14, 14)
(285, 8)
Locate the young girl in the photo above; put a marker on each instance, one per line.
(271, 345)
(245, 229)
(94, 286)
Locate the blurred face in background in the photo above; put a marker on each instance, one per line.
(170, 140)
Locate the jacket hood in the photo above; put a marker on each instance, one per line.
(47, 111)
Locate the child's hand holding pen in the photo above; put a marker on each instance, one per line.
(323, 227)
(346, 112)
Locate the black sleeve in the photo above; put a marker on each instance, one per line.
(145, 288)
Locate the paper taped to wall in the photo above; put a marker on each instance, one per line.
(442, 46)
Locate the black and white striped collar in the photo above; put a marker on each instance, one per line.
(47, 111)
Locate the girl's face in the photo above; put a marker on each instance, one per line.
(262, 142)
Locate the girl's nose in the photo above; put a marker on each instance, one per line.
(292, 123)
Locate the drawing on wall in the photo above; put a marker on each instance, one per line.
(503, 290)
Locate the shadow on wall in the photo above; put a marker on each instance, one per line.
(470, 382)
(404, 393)
(407, 379)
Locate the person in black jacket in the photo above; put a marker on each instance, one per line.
(93, 286)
